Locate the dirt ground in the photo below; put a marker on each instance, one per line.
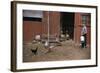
(67, 51)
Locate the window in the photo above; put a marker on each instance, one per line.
(86, 19)
(32, 15)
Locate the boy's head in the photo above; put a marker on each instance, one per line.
(83, 25)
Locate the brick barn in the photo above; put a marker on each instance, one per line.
(36, 23)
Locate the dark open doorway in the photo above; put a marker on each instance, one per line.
(67, 23)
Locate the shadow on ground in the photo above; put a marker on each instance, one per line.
(68, 51)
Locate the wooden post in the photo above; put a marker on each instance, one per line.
(48, 29)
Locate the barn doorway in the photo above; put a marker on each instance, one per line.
(67, 23)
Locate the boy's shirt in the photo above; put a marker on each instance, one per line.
(84, 30)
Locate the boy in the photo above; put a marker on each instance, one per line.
(84, 33)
